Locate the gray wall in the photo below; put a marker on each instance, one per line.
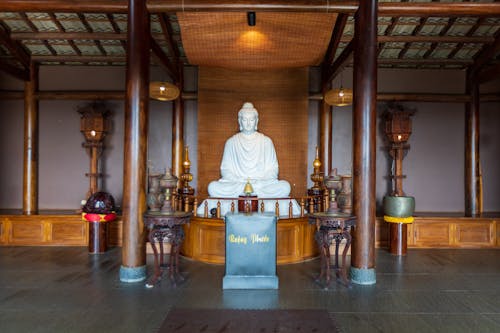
(434, 164)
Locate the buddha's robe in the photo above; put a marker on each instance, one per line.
(249, 157)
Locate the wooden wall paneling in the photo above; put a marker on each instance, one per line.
(476, 234)
(25, 231)
(287, 242)
(68, 232)
(381, 233)
(211, 239)
(309, 245)
(3, 230)
(280, 97)
(433, 234)
(411, 234)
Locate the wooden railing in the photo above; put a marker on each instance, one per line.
(308, 204)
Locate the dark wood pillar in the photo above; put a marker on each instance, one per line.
(178, 132)
(472, 187)
(133, 267)
(364, 142)
(325, 134)
(30, 169)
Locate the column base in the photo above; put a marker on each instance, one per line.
(132, 274)
(364, 276)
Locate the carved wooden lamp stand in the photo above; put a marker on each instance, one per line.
(94, 125)
(398, 208)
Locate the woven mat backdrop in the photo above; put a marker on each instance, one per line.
(279, 96)
(278, 40)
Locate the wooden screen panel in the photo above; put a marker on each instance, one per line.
(280, 97)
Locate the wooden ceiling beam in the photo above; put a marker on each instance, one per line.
(420, 61)
(91, 30)
(443, 32)
(68, 35)
(78, 58)
(489, 74)
(65, 6)
(433, 9)
(34, 28)
(335, 39)
(15, 49)
(415, 32)
(61, 29)
(116, 29)
(471, 32)
(158, 53)
(168, 33)
(431, 39)
(342, 61)
(416, 9)
(343, 39)
(18, 73)
(487, 54)
(117, 95)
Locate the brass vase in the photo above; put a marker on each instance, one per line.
(345, 196)
(155, 196)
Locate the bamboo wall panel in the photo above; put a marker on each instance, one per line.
(279, 96)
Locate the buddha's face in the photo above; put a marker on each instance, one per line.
(248, 122)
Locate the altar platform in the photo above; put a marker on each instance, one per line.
(205, 236)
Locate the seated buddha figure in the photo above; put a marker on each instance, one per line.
(249, 156)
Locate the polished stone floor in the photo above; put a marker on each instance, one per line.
(64, 289)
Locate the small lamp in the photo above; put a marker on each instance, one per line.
(338, 97)
(163, 91)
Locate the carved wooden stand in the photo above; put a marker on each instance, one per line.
(332, 227)
(166, 227)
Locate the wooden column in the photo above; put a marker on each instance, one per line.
(178, 132)
(325, 134)
(133, 267)
(30, 166)
(364, 142)
(472, 187)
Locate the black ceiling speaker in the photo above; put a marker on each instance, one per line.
(251, 18)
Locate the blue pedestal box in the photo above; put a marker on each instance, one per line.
(250, 251)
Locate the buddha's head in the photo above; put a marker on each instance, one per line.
(248, 118)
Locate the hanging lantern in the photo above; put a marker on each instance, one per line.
(163, 91)
(338, 97)
(94, 122)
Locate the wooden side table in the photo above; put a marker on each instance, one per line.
(332, 227)
(166, 227)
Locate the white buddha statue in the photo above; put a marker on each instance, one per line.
(249, 156)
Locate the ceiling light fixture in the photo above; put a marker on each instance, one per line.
(163, 91)
(338, 97)
(251, 19)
